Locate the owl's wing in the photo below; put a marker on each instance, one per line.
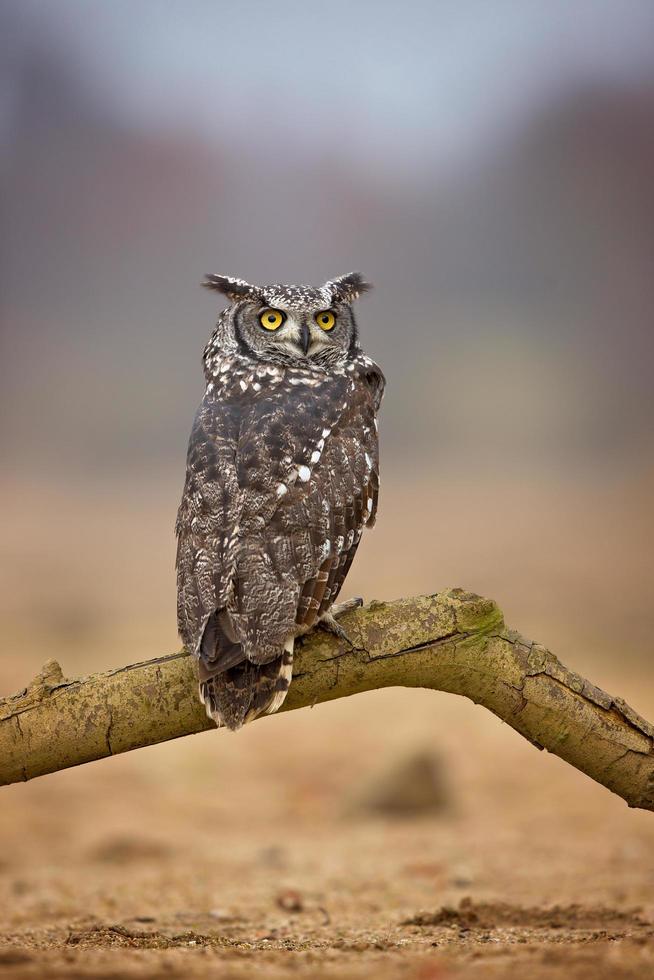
(346, 483)
(313, 495)
(207, 518)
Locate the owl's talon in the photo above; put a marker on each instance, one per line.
(329, 622)
(339, 608)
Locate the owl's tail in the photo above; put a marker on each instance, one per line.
(235, 690)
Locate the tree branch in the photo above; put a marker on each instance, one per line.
(454, 641)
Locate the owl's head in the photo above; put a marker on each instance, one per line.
(286, 324)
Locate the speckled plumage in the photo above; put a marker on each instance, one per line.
(282, 477)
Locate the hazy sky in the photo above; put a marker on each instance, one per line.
(487, 163)
(372, 71)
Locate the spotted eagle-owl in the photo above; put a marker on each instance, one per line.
(282, 476)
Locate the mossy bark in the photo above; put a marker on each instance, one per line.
(453, 641)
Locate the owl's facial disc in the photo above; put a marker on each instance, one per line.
(273, 330)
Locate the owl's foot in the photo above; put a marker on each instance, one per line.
(339, 608)
(329, 622)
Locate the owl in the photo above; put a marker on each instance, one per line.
(282, 476)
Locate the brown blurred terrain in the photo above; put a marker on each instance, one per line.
(489, 167)
(251, 851)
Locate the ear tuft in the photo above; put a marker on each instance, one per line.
(235, 289)
(346, 289)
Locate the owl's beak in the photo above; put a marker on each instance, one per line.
(305, 338)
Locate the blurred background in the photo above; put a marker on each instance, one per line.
(489, 166)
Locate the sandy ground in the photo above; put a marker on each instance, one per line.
(222, 855)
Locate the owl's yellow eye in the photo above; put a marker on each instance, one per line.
(271, 319)
(325, 320)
